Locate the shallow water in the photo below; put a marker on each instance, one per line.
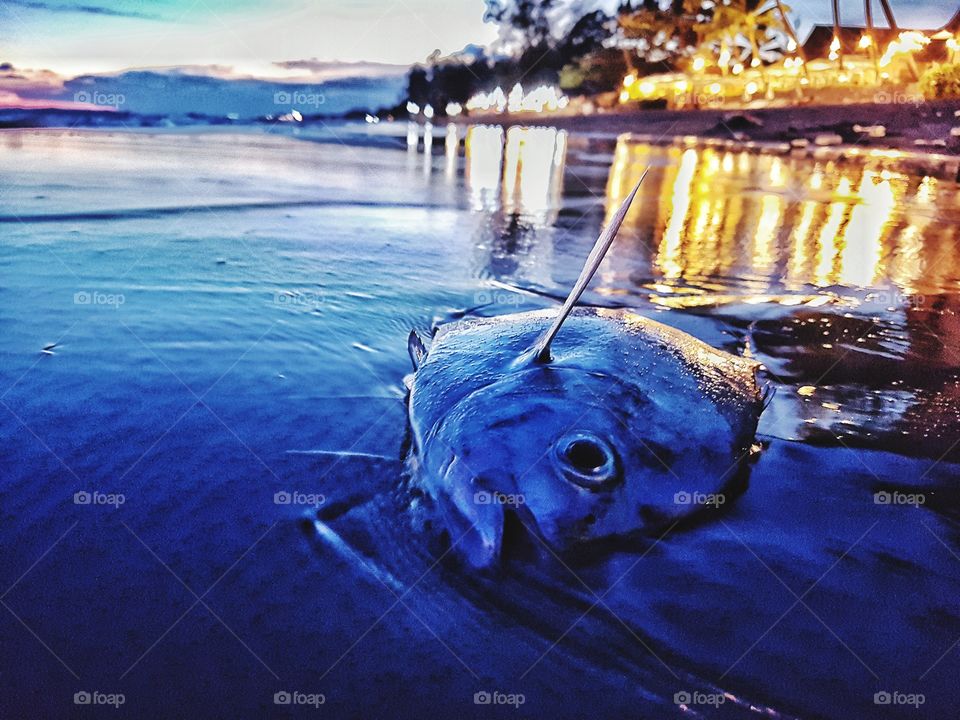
(191, 321)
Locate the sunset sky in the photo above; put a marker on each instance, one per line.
(95, 36)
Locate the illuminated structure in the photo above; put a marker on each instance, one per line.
(832, 57)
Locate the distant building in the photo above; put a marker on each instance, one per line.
(817, 44)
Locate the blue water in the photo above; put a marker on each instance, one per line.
(197, 323)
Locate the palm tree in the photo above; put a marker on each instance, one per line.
(737, 21)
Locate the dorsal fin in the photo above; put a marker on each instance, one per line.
(541, 349)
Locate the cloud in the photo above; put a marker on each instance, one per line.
(82, 9)
(333, 69)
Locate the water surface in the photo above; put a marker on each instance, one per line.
(192, 321)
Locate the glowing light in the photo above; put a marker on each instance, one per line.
(952, 44)
(737, 69)
(907, 42)
(540, 99)
(483, 149)
(681, 85)
(698, 64)
(624, 96)
(668, 254)
(532, 171)
(413, 108)
(791, 45)
(863, 248)
(454, 108)
(835, 48)
(724, 59)
(715, 88)
(752, 87)
(629, 80)
(755, 62)
(428, 111)
(647, 88)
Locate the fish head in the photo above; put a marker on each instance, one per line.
(617, 435)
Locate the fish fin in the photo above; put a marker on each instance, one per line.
(416, 348)
(541, 349)
(767, 395)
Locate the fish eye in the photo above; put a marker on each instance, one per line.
(586, 460)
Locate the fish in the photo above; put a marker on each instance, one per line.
(584, 427)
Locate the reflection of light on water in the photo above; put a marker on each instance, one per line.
(427, 148)
(764, 243)
(484, 156)
(797, 266)
(520, 172)
(776, 173)
(827, 251)
(927, 191)
(533, 171)
(668, 255)
(860, 262)
(715, 237)
(451, 147)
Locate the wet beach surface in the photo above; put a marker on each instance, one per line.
(197, 322)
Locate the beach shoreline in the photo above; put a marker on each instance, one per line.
(915, 136)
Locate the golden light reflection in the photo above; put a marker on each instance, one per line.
(668, 255)
(717, 215)
(862, 255)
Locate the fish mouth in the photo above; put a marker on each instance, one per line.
(587, 460)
